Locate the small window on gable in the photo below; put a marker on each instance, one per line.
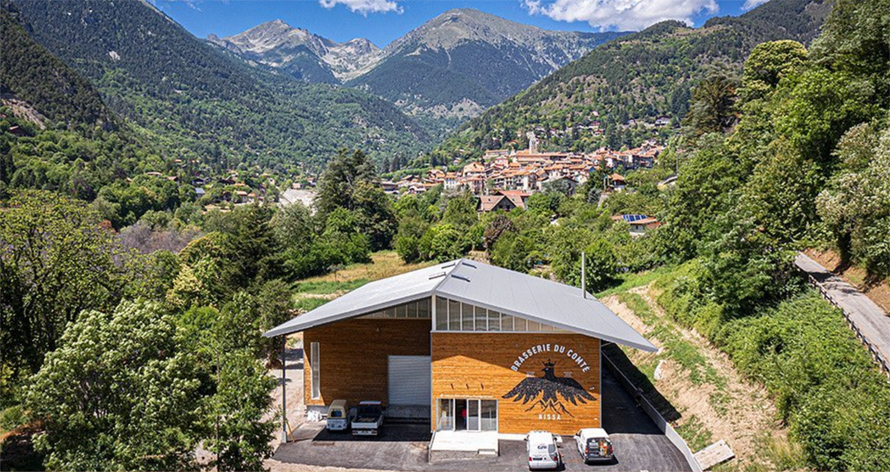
(481, 318)
(494, 321)
(466, 312)
(453, 316)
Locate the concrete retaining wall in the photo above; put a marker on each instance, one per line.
(653, 413)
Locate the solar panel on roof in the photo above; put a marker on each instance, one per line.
(632, 218)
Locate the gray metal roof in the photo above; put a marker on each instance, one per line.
(483, 285)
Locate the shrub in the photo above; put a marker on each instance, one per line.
(443, 243)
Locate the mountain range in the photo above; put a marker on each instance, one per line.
(300, 53)
(455, 65)
(279, 96)
(199, 103)
(623, 87)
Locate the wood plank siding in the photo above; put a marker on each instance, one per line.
(491, 365)
(354, 354)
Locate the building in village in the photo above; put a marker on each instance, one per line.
(639, 224)
(503, 200)
(530, 170)
(465, 345)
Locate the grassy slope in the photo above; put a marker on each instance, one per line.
(697, 389)
(316, 291)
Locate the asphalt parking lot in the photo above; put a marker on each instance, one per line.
(638, 443)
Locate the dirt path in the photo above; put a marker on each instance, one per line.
(724, 406)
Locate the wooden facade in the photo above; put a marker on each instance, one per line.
(541, 381)
(494, 365)
(354, 356)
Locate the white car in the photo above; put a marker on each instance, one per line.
(594, 445)
(543, 450)
(338, 416)
(368, 420)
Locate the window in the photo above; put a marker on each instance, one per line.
(315, 365)
(446, 415)
(441, 314)
(494, 321)
(472, 415)
(418, 309)
(466, 312)
(481, 319)
(453, 315)
(489, 415)
(506, 323)
(423, 308)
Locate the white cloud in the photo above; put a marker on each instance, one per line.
(749, 4)
(364, 6)
(621, 14)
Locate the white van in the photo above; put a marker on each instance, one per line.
(594, 445)
(543, 451)
(338, 416)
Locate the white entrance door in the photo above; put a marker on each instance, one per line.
(409, 380)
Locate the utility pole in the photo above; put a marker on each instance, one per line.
(583, 275)
(218, 385)
(283, 389)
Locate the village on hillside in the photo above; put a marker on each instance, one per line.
(502, 178)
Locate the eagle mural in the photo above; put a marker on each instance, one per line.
(547, 388)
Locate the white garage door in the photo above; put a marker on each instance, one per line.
(409, 380)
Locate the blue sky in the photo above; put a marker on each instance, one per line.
(382, 21)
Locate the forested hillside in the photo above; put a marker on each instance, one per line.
(639, 77)
(198, 103)
(33, 75)
(57, 134)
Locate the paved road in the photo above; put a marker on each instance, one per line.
(872, 321)
(639, 445)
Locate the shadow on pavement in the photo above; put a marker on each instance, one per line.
(639, 379)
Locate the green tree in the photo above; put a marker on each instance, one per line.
(547, 202)
(460, 211)
(241, 401)
(856, 204)
(350, 182)
(768, 64)
(55, 261)
(338, 183)
(118, 394)
(513, 251)
(376, 216)
(252, 245)
(294, 227)
(497, 227)
(443, 242)
(274, 308)
(407, 243)
(601, 264)
(712, 109)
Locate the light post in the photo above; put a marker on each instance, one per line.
(283, 389)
